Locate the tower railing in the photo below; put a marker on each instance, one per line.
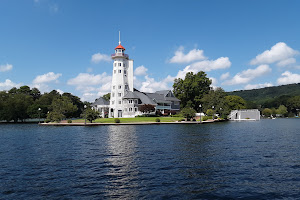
(119, 55)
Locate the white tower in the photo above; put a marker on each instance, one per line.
(122, 80)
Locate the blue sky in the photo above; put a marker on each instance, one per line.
(66, 45)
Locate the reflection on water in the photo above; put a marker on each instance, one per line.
(232, 160)
(121, 156)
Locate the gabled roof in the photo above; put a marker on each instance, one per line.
(163, 92)
(100, 101)
(130, 95)
(145, 98)
(120, 47)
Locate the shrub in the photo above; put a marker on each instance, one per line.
(69, 121)
(117, 120)
(182, 120)
(157, 120)
(204, 118)
(47, 120)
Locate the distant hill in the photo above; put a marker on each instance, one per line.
(268, 94)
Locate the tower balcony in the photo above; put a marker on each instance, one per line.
(119, 55)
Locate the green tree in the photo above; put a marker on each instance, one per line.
(235, 102)
(282, 110)
(216, 98)
(192, 88)
(106, 96)
(267, 112)
(188, 113)
(91, 114)
(77, 102)
(293, 104)
(60, 107)
(210, 112)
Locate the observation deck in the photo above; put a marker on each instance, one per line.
(119, 55)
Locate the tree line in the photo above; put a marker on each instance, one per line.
(18, 104)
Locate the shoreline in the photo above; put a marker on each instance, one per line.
(134, 123)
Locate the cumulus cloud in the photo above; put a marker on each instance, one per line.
(4, 68)
(150, 85)
(46, 78)
(209, 65)
(248, 75)
(91, 86)
(286, 62)
(193, 55)
(140, 71)
(225, 76)
(84, 79)
(98, 57)
(288, 78)
(280, 53)
(257, 86)
(8, 84)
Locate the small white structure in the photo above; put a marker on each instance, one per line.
(249, 114)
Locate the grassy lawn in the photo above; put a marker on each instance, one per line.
(132, 120)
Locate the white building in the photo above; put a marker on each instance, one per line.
(124, 99)
(247, 114)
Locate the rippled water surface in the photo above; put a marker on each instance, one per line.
(230, 160)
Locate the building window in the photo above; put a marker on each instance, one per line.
(124, 64)
(114, 87)
(113, 94)
(135, 101)
(120, 102)
(135, 109)
(120, 71)
(120, 86)
(130, 101)
(120, 64)
(113, 102)
(130, 109)
(120, 94)
(114, 71)
(124, 71)
(115, 64)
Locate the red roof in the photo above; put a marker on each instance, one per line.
(120, 47)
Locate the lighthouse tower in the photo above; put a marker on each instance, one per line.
(122, 80)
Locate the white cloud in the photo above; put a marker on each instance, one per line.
(84, 79)
(288, 78)
(257, 86)
(98, 57)
(46, 78)
(248, 75)
(4, 68)
(91, 86)
(225, 76)
(278, 53)
(286, 62)
(193, 55)
(209, 65)
(150, 85)
(140, 71)
(8, 84)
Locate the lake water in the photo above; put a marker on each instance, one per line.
(228, 160)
